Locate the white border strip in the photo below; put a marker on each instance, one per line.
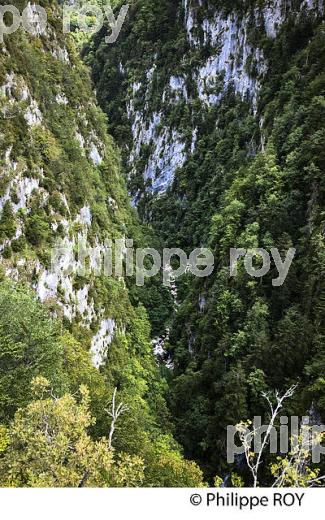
(156, 504)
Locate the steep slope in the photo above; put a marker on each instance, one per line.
(172, 64)
(60, 174)
(223, 142)
(62, 189)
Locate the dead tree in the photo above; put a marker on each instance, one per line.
(246, 436)
(115, 412)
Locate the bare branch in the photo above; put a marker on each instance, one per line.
(115, 413)
(246, 436)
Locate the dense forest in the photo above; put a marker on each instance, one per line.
(61, 177)
(202, 125)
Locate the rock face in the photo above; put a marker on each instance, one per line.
(219, 53)
(59, 179)
(102, 341)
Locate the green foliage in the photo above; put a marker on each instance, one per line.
(56, 158)
(37, 230)
(254, 180)
(34, 350)
(49, 447)
(7, 223)
(29, 346)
